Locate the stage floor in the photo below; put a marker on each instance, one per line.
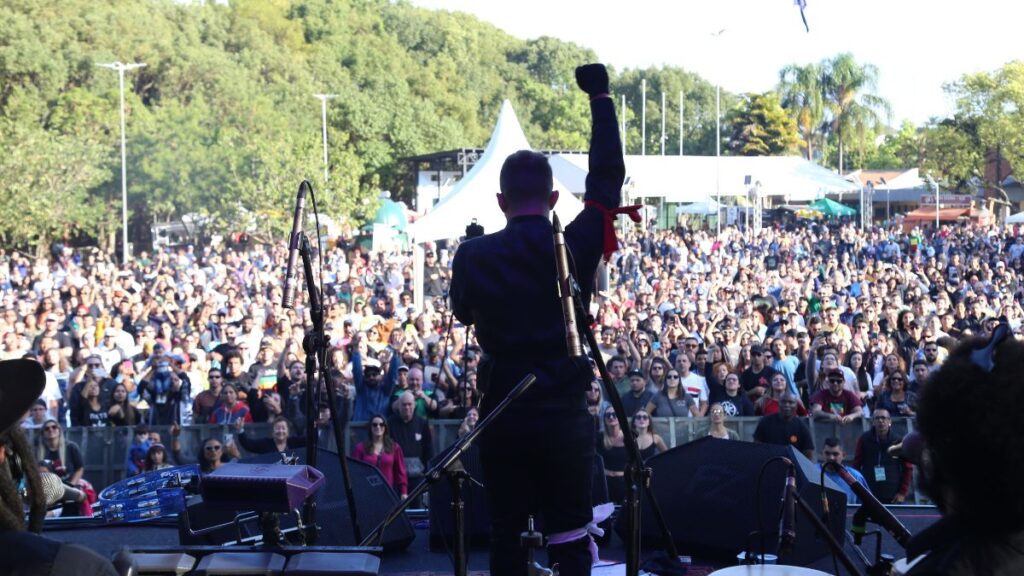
(419, 560)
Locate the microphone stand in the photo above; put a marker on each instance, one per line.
(637, 474)
(450, 457)
(316, 345)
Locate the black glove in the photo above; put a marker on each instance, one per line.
(592, 79)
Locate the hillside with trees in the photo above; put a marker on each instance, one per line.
(222, 122)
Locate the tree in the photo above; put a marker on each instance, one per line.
(47, 178)
(993, 102)
(952, 151)
(802, 95)
(698, 109)
(900, 150)
(853, 109)
(222, 122)
(760, 127)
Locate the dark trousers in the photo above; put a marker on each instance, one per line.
(537, 459)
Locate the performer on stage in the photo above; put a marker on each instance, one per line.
(971, 462)
(537, 456)
(22, 552)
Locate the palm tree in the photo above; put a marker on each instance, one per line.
(847, 89)
(801, 94)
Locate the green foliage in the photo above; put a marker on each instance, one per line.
(990, 108)
(762, 128)
(802, 95)
(900, 150)
(47, 181)
(834, 99)
(698, 110)
(952, 152)
(222, 121)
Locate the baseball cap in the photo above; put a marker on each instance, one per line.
(634, 372)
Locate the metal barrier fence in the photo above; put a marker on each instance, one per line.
(104, 450)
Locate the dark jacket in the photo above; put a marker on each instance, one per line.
(526, 333)
(873, 452)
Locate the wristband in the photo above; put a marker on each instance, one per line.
(601, 95)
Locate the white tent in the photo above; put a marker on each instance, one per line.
(709, 207)
(474, 195)
(700, 178)
(1017, 218)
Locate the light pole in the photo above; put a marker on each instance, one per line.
(936, 186)
(323, 98)
(887, 215)
(718, 144)
(867, 204)
(643, 117)
(121, 68)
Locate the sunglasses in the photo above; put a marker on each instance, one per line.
(377, 425)
(672, 377)
(212, 448)
(51, 428)
(641, 417)
(609, 416)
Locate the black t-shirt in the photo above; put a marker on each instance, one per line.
(749, 379)
(433, 281)
(65, 469)
(413, 436)
(774, 429)
(738, 405)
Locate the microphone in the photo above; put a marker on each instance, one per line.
(787, 535)
(56, 491)
(288, 300)
(871, 508)
(565, 290)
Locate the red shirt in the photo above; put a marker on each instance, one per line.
(845, 404)
(391, 465)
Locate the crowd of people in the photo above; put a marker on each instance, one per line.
(817, 319)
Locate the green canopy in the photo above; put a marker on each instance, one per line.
(831, 208)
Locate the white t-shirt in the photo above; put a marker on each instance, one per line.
(696, 386)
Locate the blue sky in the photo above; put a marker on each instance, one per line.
(916, 45)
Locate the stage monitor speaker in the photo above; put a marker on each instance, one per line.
(477, 517)
(333, 564)
(240, 563)
(163, 563)
(707, 490)
(374, 498)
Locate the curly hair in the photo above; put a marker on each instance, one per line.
(974, 435)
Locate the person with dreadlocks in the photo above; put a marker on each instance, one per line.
(21, 382)
(970, 461)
